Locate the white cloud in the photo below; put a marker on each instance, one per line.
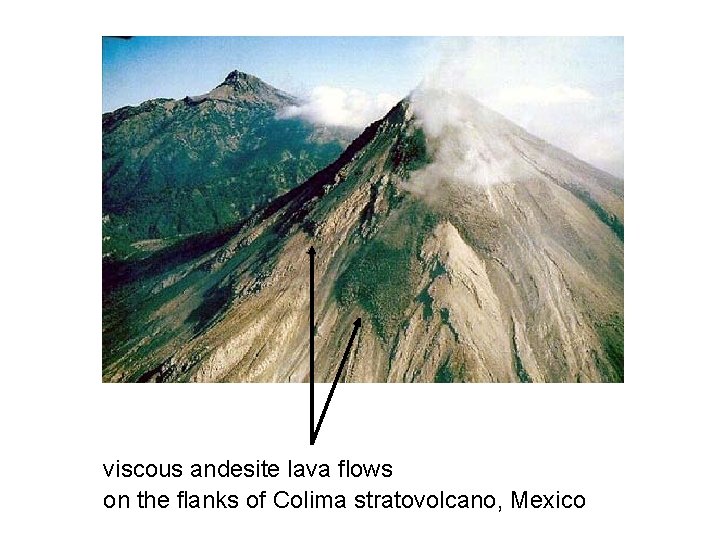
(466, 139)
(333, 106)
(541, 85)
(547, 95)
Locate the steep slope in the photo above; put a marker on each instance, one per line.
(517, 278)
(177, 167)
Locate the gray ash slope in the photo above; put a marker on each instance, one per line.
(177, 167)
(516, 281)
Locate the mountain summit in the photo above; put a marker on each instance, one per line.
(474, 250)
(243, 80)
(242, 87)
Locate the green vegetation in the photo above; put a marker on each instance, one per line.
(444, 374)
(517, 361)
(384, 273)
(612, 337)
(410, 151)
(177, 170)
(611, 220)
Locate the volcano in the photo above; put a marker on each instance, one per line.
(472, 251)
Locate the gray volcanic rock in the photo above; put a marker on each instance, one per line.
(519, 279)
(240, 86)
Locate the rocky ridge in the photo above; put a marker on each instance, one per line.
(517, 281)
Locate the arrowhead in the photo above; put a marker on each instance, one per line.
(357, 322)
(311, 251)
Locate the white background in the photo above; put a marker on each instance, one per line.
(644, 453)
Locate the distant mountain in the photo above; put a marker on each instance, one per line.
(516, 280)
(178, 167)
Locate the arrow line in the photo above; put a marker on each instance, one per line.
(315, 430)
(311, 252)
(356, 325)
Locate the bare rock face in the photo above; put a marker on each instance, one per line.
(505, 264)
(242, 87)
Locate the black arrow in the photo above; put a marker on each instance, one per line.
(313, 430)
(356, 325)
(311, 252)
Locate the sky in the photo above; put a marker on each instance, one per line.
(568, 91)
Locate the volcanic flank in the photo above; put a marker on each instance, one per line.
(472, 251)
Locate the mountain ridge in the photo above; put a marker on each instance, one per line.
(178, 167)
(518, 281)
